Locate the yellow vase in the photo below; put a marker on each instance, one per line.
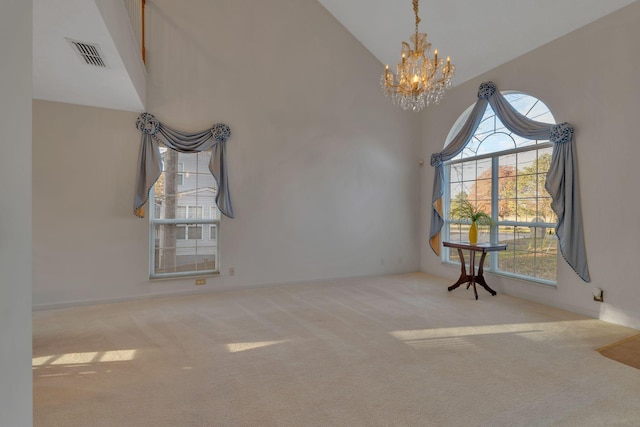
(473, 233)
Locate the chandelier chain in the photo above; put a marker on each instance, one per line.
(415, 11)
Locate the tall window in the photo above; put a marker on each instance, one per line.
(504, 175)
(184, 213)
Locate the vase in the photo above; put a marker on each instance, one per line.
(473, 233)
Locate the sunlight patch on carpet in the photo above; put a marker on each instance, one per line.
(423, 334)
(85, 357)
(437, 336)
(449, 344)
(243, 346)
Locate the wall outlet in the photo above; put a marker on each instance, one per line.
(201, 281)
(232, 271)
(598, 295)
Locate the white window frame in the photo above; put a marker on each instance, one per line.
(202, 222)
(492, 265)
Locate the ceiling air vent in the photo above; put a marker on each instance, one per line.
(89, 53)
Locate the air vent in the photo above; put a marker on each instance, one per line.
(89, 53)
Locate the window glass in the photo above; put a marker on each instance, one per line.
(504, 175)
(184, 205)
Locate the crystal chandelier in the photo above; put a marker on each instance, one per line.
(421, 80)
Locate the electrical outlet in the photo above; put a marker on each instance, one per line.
(201, 281)
(598, 295)
(232, 271)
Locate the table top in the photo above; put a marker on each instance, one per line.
(484, 247)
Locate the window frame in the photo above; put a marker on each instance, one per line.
(492, 265)
(186, 223)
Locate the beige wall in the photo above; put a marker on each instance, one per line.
(87, 245)
(587, 78)
(324, 172)
(15, 213)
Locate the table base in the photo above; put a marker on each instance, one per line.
(472, 279)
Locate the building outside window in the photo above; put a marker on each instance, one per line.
(180, 176)
(504, 175)
(184, 208)
(192, 231)
(213, 228)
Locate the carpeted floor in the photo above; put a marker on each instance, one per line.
(384, 351)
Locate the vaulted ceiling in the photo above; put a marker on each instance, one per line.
(60, 74)
(478, 35)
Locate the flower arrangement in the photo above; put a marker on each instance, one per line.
(463, 209)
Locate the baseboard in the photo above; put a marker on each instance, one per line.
(84, 303)
(223, 288)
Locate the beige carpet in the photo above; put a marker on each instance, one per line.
(386, 351)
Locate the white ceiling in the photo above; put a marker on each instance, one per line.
(478, 35)
(59, 74)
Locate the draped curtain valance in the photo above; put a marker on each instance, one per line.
(562, 177)
(150, 162)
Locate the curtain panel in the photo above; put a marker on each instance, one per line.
(155, 133)
(562, 177)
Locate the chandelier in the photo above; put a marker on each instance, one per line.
(419, 80)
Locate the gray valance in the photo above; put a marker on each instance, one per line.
(562, 177)
(150, 162)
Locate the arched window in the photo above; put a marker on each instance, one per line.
(504, 175)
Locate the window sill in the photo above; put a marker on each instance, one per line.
(180, 276)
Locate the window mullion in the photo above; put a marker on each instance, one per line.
(445, 209)
(495, 175)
